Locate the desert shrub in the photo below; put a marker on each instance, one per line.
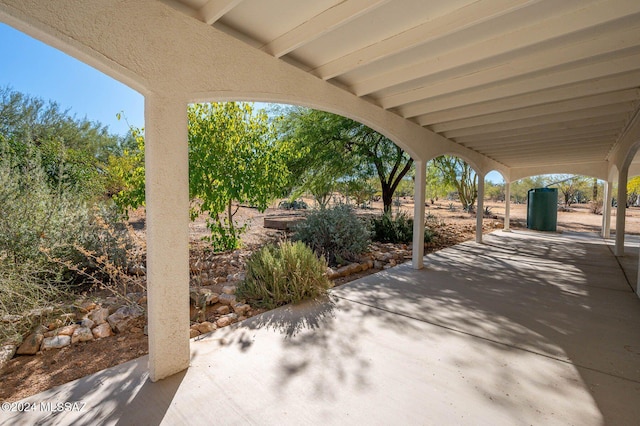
(336, 233)
(293, 205)
(279, 275)
(49, 239)
(387, 229)
(596, 207)
(26, 288)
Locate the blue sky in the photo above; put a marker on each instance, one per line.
(33, 68)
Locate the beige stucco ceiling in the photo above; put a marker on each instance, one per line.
(524, 82)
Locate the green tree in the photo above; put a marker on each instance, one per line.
(494, 191)
(234, 156)
(633, 190)
(520, 188)
(71, 152)
(124, 177)
(458, 174)
(572, 188)
(336, 147)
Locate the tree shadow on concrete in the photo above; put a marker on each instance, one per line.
(562, 297)
(119, 395)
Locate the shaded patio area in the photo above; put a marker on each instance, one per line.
(526, 328)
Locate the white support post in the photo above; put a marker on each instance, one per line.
(507, 206)
(167, 198)
(606, 209)
(480, 209)
(418, 215)
(621, 211)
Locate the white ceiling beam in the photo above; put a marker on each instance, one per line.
(504, 143)
(574, 124)
(458, 20)
(578, 145)
(624, 109)
(589, 166)
(524, 65)
(335, 16)
(599, 152)
(539, 110)
(629, 137)
(435, 111)
(577, 20)
(213, 10)
(535, 84)
(543, 133)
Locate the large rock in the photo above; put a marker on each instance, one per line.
(121, 319)
(212, 298)
(241, 308)
(205, 327)
(6, 353)
(227, 299)
(87, 323)
(66, 330)
(229, 289)
(87, 306)
(223, 322)
(55, 342)
(222, 310)
(102, 330)
(99, 316)
(31, 344)
(82, 334)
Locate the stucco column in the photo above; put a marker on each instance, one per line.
(606, 209)
(480, 209)
(418, 215)
(507, 206)
(621, 210)
(167, 197)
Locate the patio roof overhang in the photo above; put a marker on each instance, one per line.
(511, 85)
(530, 84)
(523, 87)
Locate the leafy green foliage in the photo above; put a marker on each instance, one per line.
(387, 229)
(455, 172)
(574, 188)
(336, 233)
(233, 157)
(284, 274)
(293, 205)
(125, 174)
(71, 152)
(360, 189)
(335, 148)
(51, 169)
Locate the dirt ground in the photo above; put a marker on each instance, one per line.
(28, 375)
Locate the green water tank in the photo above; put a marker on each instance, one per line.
(542, 209)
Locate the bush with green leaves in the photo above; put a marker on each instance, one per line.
(398, 229)
(45, 228)
(388, 229)
(279, 275)
(336, 233)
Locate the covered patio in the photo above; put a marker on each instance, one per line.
(527, 328)
(522, 328)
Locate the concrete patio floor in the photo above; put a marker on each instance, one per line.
(526, 328)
